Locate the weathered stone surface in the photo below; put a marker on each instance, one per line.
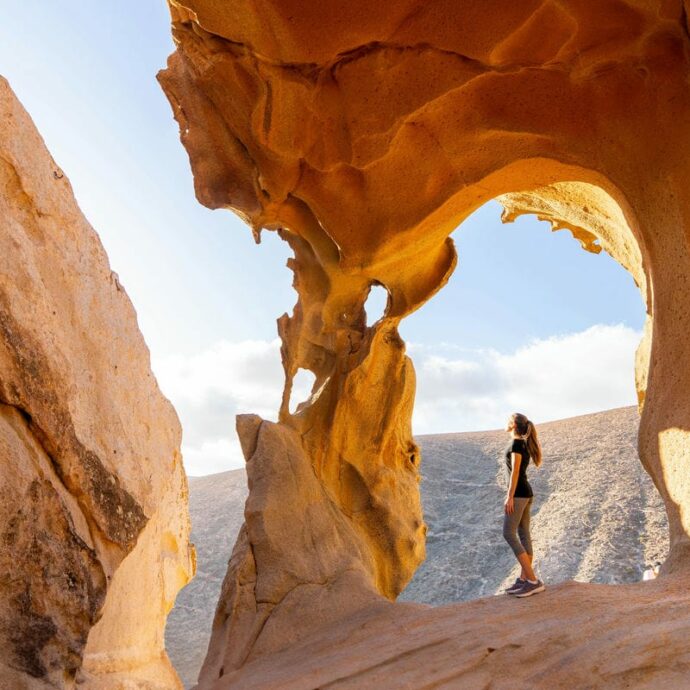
(93, 509)
(366, 133)
(298, 563)
(574, 635)
(53, 584)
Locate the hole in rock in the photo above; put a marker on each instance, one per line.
(531, 323)
(376, 304)
(302, 385)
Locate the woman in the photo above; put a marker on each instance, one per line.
(523, 448)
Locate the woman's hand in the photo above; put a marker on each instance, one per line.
(509, 505)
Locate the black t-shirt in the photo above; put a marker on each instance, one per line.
(522, 489)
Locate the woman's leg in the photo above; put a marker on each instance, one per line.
(525, 535)
(510, 528)
(526, 563)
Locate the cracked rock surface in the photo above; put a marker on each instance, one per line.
(93, 513)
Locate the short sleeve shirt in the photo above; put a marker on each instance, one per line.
(522, 489)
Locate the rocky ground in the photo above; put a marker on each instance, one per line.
(596, 518)
(573, 636)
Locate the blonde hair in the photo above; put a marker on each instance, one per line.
(528, 433)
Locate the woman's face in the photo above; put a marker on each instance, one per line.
(511, 425)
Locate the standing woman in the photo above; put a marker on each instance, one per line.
(524, 447)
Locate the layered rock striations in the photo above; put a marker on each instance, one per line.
(365, 134)
(95, 530)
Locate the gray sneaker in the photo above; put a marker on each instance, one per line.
(530, 588)
(516, 586)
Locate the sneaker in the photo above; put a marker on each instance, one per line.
(516, 586)
(530, 588)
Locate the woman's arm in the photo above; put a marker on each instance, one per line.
(515, 459)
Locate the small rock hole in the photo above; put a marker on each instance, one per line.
(302, 385)
(376, 304)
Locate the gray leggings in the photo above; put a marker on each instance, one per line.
(516, 527)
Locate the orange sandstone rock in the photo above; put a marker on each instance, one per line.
(94, 522)
(366, 132)
(574, 635)
(298, 563)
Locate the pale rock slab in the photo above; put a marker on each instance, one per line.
(94, 520)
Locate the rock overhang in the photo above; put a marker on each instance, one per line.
(366, 134)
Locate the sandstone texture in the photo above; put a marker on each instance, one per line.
(364, 134)
(289, 520)
(597, 518)
(94, 521)
(573, 635)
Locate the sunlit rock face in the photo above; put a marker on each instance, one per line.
(298, 563)
(366, 132)
(93, 513)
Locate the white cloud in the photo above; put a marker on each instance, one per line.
(548, 379)
(457, 389)
(209, 388)
(213, 456)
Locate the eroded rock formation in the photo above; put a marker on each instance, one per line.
(575, 636)
(581, 531)
(324, 572)
(365, 133)
(94, 521)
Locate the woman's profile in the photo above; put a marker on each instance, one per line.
(524, 446)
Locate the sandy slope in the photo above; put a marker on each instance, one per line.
(596, 518)
(216, 508)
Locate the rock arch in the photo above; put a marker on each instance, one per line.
(364, 136)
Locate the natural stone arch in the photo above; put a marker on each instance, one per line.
(365, 137)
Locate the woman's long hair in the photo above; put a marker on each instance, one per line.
(528, 433)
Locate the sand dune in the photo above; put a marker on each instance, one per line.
(597, 518)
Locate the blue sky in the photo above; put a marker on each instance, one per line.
(529, 320)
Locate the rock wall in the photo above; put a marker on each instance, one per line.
(94, 521)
